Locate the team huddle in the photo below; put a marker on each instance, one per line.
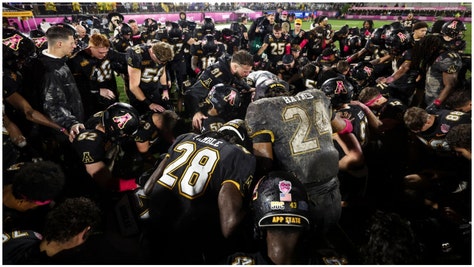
(266, 145)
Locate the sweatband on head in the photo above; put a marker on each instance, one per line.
(370, 102)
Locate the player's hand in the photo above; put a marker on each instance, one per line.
(156, 107)
(75, 130)
(107, 93)
(197, 120)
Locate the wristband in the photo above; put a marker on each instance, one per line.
(347, 129)
(63, 130)
(197, 70)
(437, 102)
(389, 79)
(147, 102)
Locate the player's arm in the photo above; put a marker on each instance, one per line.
(263, 151)
(150, 183)
(262, 49)
(135, 75)
(102, 175)
(449, 81)
(353, 157)
(20, 103)
(231, 212)
(194, 64)
(404, 68)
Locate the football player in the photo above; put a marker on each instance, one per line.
(148, 76)
(229, 70)
(198, 196)
(99, 146)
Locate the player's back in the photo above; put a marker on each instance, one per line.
(301, 133)
(187, 201)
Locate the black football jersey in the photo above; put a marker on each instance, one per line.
(276, 47)
(138, 57)
(90, 145)
(147, 131)
(218, 72)
(22, 247)
(300, 129)
(435, 136)
(360, 122)
(185, 197)
(447, 62)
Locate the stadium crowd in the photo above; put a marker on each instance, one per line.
(260, 143)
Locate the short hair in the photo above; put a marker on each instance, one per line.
(170, 118)
(368, 93)
(460, 136)
(391, 240)
(99, 40)
(415, 118)
(242, 57)
(56, 33)
(342, 66)
(39, 181)
(132, 21)
(163, 51)
(458, 98)
(419, 25)
(70, 218)
(277, 27)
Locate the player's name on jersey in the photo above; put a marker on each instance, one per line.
(209, 140)
(296, 98)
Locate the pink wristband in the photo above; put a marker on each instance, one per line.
(347, 129)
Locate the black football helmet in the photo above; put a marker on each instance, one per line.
(280, 200)
(227, 34)
(209, 45)
(270, 88)
(339, 90)
(175, 32)
(378, 35)
(120, 120)
(40, 40)
(16, 46)
(354, 42)
(397, 41)
(362, 71)
(454, 28)
(225, 99)
(125, 29)
(208, 26)
(237, 129)
(150, 25)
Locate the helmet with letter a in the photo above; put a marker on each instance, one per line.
(280, 200)
(120, 120)
(362, 72)
(17, 47)
(454, 28)
(224, 98)
(339, 90)
(397, 41)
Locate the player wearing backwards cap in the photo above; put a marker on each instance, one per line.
(198, 196)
